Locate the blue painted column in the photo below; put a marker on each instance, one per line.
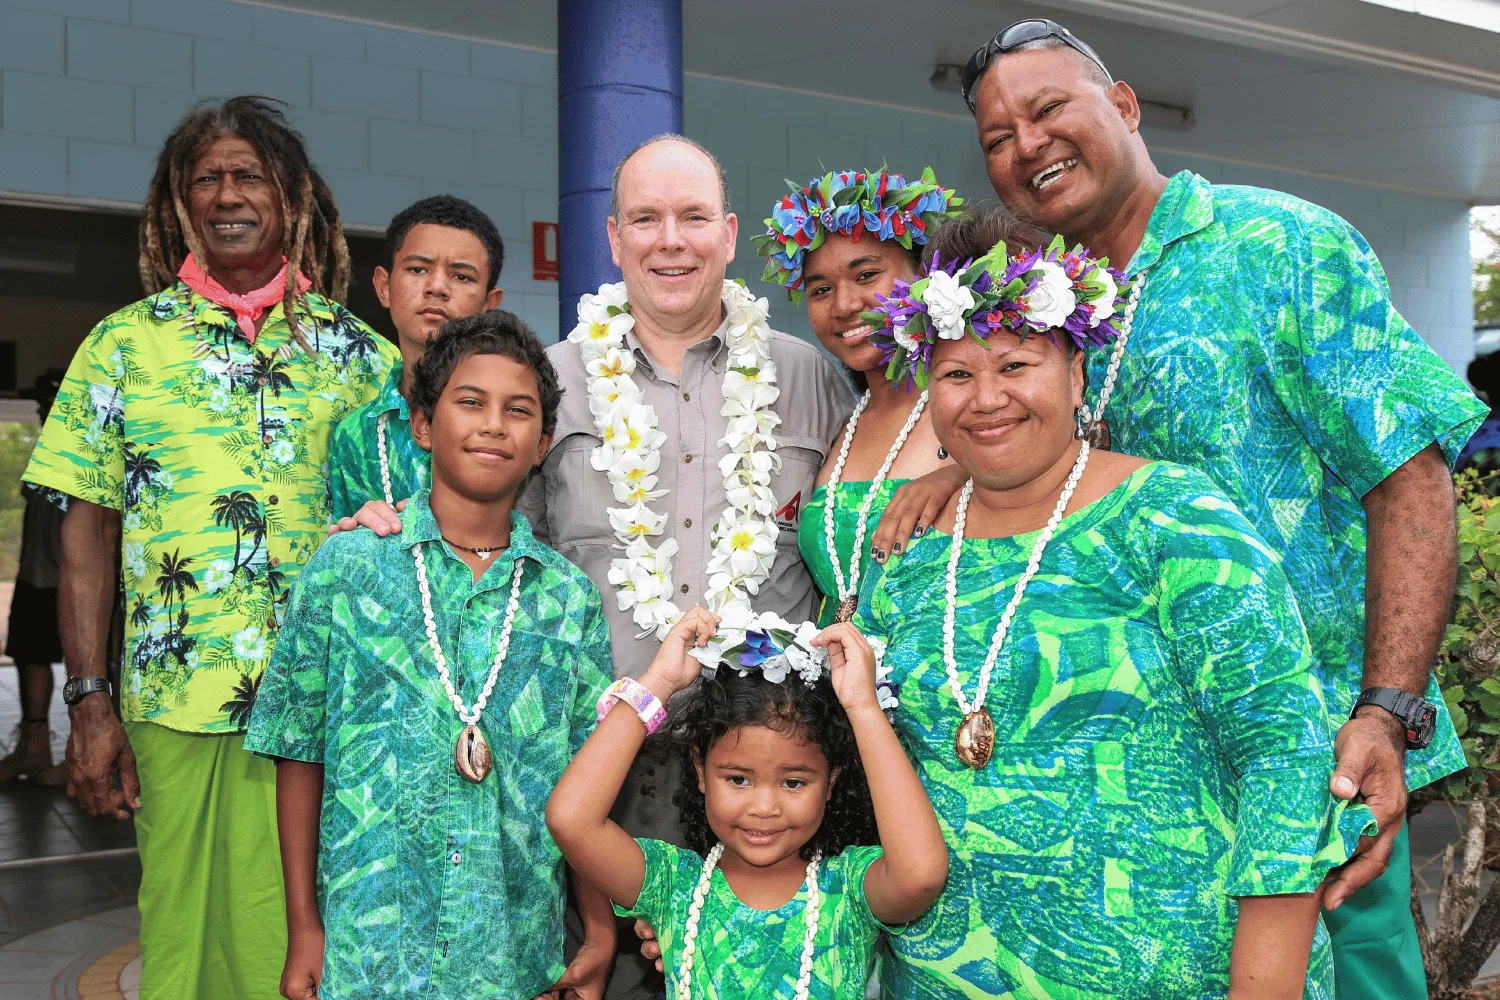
(619, 82)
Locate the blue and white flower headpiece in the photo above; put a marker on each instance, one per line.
(774, 646)
(1040, 292)
(853, 203)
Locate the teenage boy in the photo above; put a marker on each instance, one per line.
(428, 691)
(442, 261)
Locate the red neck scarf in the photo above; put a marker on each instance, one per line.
(247, 308)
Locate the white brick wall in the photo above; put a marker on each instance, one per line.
(90, 87)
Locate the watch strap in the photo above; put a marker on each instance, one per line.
(78, 688)
(1407, 708)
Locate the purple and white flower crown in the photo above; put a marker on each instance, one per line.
(1041, 292)
(882, 205)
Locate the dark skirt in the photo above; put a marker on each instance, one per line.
(33, 637)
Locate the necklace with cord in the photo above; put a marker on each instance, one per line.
(385, 463)
(1095, 430)
(975, 740)
(848, 588)
(471, 756)
(482, 551)
(695, 910)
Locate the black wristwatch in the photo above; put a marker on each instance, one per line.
(1417, 715)
(79, 688)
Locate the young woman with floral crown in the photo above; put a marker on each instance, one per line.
(844, 241)
(1103, 676)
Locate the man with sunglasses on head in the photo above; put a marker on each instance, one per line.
(1264, 350)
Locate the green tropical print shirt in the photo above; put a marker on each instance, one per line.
(1161, 747)
(354, 455)
(214, 451)
(742, 953)
(1266, 353)
(431, 885)
(813, 543)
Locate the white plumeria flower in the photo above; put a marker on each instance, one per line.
(947, 302)
(611, 364)
(636, 520)
(613, 294)
(633, 477)
(746, 393)
(751, 497)
(1104, 305)
(755, 466)
(899, 334)
(774, 668)
(767, 620)
(630, 427)
(1051, 300)
(748, 543)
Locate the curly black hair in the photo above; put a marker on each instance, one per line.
(717, 705)
(455, 213)
(493, 332)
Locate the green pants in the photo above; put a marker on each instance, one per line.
(213, 921)
(1375, 951)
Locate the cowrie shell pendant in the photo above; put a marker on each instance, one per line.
(471, 757)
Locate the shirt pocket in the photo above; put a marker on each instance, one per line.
(578, 496)
(1179, 410)
(792, 486)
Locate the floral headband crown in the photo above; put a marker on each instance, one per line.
(1037, 292)
(775, 647)
(884, 205)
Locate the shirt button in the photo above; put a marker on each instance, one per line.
(457, 857)
(273, 562)
(687, 522)
(688, 459)
(687, 396)
(265, 439)
(261, 380)
(684, 588)
(273, 499)
(271, 623)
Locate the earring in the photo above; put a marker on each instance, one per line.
(942, 454)
(1078, 419)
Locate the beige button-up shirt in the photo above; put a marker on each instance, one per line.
(567, 499)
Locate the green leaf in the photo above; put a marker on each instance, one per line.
(1460, 719)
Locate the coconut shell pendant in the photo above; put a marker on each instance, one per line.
(471, 758)
(975, 741)
(846, 609)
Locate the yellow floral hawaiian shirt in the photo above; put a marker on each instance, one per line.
(214, 450)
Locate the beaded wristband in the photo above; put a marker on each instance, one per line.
(649, 707)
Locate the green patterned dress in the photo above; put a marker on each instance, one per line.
(814, 547)
(1161, 747)
(743, 953)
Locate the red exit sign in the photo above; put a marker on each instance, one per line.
(544, 251)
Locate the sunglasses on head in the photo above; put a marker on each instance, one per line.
(1012, 38)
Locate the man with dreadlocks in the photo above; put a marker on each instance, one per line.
(189, 440)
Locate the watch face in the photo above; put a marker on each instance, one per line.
(1421, 727)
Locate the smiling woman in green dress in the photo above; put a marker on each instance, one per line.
(1104, 679)
(845, 241)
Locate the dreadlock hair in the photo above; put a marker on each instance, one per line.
(312, 231)
(716, 706)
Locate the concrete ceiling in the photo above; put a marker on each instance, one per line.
(1338, 88)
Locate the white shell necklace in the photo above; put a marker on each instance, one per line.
(975, 741)
(1096, 432)
(471, 757)
(385, 463)
(700, 892)
(848, 590)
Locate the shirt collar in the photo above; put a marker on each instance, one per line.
(1186, 207)
(180, 298)
(390, 398)
(419, 525)
(712, 347)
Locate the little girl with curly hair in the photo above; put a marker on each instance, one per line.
(784, 894)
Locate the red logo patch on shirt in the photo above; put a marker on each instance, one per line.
(786, 517)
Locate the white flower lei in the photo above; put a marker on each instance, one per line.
(744, 540)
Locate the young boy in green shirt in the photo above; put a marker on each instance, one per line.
(427, 692)
(442, 261)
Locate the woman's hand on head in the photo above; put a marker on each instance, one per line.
(377, 515)
(673, 667)
(851, 664)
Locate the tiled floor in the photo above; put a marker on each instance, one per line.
(68, 928)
